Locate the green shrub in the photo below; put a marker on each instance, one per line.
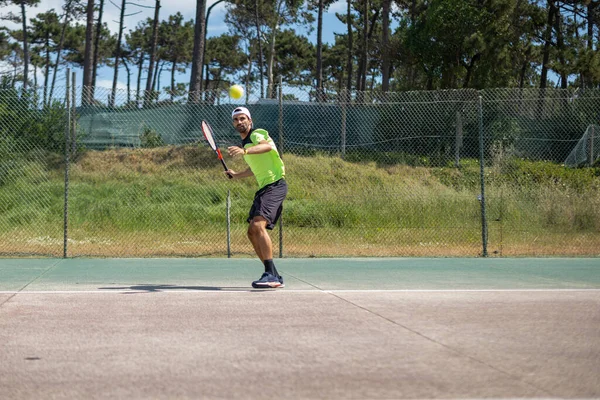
(149, 138)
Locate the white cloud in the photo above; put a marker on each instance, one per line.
(340, 6)
(5, 68)
(216, 22)
(187, 8)
(111, 12)
(31, 12)
(107, 83)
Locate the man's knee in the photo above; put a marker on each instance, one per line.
(257, 226)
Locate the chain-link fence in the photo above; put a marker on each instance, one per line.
(437, 173)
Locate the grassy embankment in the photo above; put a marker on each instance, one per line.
(172, 201)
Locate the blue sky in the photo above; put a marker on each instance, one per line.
(216, 24)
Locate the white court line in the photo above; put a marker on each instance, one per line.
(459, 290)
(120, 291)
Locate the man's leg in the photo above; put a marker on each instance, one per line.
(261, 241)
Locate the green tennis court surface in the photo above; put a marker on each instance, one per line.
(342, 328)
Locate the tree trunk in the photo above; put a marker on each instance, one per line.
(205, 84)
(385, 47)
(207, 81)
(128, 82)
(524, 67)
(158, 74)
(15, 64)
(271, 63)
(590, 42)
(361, 78)
(97, 48)
(156, 79)
(198, 55)
(60, 47)
(117, 55)
(469, 68)
(547, 44)
(366, 35)
(248, 74)
(47, 68)
(88, 58)
(560, 47)
(260, 49)
(25, 48)
(412, 69)
(36, 96)
(149, 81)
(173, 79)
(139, 75)
(350, 45)
(320, 52)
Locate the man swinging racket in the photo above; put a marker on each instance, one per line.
(260, 153)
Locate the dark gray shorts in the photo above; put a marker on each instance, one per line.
(268, 202)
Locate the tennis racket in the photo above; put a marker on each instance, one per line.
(210, 138)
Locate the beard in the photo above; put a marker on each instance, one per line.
(243, 127)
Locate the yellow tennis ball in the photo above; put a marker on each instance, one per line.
(236, 91)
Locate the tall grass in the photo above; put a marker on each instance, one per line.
(172, 201)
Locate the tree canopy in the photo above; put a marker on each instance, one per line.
(389, 45)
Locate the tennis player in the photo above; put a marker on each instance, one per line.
(261, 155)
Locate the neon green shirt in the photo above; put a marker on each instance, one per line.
(266, 167)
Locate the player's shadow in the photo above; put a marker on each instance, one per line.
(149, 288)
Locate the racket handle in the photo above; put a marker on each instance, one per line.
(225, 168)
(223, 162)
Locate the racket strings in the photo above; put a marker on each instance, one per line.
(208, 134)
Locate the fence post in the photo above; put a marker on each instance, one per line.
(482, 177)
(73, 133)
(228, 217)
(280, 117)
(345, 94)
(67, 150)
(459, 139)
(281, 155)
(591, 145)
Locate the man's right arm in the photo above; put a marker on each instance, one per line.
(244, 174)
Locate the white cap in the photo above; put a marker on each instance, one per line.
(241, 110)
